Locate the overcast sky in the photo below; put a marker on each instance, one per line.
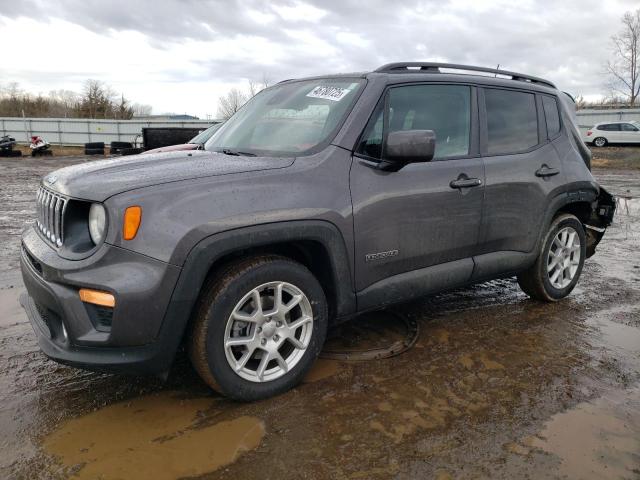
(181, 55)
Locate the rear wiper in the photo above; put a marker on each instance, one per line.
(228, 151)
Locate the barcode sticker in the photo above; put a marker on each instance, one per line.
(328, 93)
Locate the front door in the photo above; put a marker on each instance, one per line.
(425, 214)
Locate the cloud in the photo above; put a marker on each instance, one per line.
(213, 44)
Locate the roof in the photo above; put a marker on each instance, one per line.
(433, 67)
(417, 71)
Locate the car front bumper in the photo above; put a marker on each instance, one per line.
(136, 339)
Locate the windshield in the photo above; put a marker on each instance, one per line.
(288, 119)
(205, 135)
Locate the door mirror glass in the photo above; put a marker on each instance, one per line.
(408, 146)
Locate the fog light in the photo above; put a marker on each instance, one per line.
(97, 297)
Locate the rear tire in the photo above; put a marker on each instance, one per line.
(559, 264)
(600, 142)
(244, 343)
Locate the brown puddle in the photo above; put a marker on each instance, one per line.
(595, 440)
(322, 369)
(154, 437)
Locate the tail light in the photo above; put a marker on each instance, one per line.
(589, 132)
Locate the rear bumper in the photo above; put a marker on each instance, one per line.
(138, 339)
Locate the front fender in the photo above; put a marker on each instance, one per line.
(204, 255)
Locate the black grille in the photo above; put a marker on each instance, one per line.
(50, 208)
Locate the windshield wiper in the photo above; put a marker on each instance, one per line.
(235, 153)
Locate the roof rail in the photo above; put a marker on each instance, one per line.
(432, 67)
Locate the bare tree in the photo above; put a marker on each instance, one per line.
(97, 101)
(141, 110)
(63, 102)
(256, 87)
(231, 103)
(580, 102)
(236, 98)
(624, 68)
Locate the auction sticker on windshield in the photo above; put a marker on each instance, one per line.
(329, 93)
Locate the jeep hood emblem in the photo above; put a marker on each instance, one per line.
(51, 179)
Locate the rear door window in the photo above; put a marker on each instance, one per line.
(627, 127)
(551, 115)
(512, 121)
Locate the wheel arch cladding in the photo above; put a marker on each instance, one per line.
(316, 244)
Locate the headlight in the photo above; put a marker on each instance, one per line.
(97, 223)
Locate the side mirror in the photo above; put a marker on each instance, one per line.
(408, 146)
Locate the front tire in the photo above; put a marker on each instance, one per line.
(259, 327)
(600, 142)
(559, 264)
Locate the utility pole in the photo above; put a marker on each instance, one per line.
(26, 131)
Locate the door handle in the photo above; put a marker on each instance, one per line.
(463, 182)
(546, 171)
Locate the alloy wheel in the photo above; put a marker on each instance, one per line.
(268, 331)
(563, 258)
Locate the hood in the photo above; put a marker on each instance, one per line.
(99, 180)
(175, 148)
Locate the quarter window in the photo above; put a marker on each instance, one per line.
(551, 115)
(512, 121)
(445, 109)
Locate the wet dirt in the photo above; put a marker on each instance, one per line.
(595, 440)
(156, 436)
(496, 386)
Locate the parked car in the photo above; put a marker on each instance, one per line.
(196, 143)
(320, 199)
(604, 133)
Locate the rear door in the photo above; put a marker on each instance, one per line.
(417, 217)
(522, 169)
(629, 133)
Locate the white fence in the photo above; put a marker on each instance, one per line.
(589, 117)
(66, 131)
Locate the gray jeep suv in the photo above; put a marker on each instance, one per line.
(320, 199)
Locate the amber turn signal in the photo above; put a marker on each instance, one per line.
(132, 219)
(97, 297)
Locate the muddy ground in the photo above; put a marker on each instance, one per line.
(496, 386)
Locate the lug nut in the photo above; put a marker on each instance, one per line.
(278, 324)
(276, 338)
(259, 329)
(263, 341)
